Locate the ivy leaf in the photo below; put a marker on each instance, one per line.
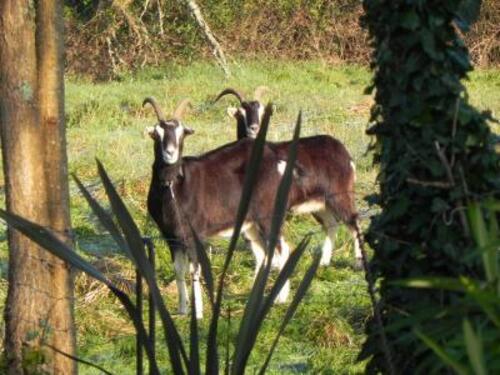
(410, 20)
(439, 205)
(428, 43)
(467, 14)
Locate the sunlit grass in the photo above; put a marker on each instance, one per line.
(106, 120)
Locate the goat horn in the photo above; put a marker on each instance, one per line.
(229, 91)
(181, 108)
(156, 107)
(259, 91)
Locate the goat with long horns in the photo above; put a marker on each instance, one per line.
(325, 174)
(203, 192)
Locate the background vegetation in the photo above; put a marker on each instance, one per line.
(106, 120)
(300, 49)
(106, 37)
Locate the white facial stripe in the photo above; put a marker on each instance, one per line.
(160, 131)
(261, 113)
(179, 131)
(171, 151)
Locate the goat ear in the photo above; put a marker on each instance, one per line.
(232, 111)
(188, 131)
(150, 130)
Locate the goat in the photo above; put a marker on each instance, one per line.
(323, 166)
(204, 192)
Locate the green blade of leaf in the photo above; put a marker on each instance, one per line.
(212, 365)
(51, 243)
(441, 353)
(281, 201)
(283, 276)
(105, 219)
(194, 354)
(136, 245)
(480, 234)
(474, 348)
(249, 323)
(301, 291)
(446, 283)
(206, 267)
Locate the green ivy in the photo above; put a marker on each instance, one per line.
(435, 153)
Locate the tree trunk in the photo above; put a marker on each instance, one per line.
(50, 54)
(38, 311)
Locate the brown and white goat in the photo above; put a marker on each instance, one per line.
(204, 192)
(325, 175)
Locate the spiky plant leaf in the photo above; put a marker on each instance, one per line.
(49, 241)
(249, 323)
(474, 347)
(301, 291)
(105, 219)
(136, 245)
(441, 353)
(212, 365)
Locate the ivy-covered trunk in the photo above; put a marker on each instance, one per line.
(435, 154)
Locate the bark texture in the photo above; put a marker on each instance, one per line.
(38, 312)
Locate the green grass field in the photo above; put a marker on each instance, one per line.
(106, 121)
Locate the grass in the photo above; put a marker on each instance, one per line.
(106, 120)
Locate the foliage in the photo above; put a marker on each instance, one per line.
(435, 153)
(476, 347)
(108, 116)
(129, 239)
(105, 38)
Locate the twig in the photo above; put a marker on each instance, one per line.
(454, 128)
(436, 184)
(76, 359)
(446, 164)
(146, 4)
(218, 53)
(160, 16)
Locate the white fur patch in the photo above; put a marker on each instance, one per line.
(281, 167)
(353, 166)
(309, 207)
(228, 233)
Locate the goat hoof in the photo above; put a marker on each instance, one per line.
(324, 262)
(280, 299)
(276, 264)
(358, 264)
(182, 311)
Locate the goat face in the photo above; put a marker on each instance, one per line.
(168, 134)
(248, 117)
(169, 140)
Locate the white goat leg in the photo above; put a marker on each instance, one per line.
(285, 253)
(258, 248)
(198, 299)
(282, 296)
(357, 250)
(181, 266)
